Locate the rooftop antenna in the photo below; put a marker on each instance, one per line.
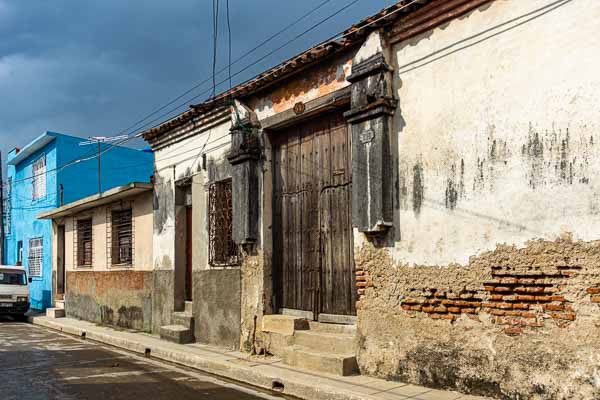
(98, 140)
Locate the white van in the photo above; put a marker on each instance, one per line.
(14, 291)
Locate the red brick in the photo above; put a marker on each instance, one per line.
(469, 310)
(497, 297)
(440, 309)
(406, 308)
(526, 281)
(566, 316)
(489, 288)
(502, 289)
(509, 281)
(554, 307)
(568, 273)
(550, 290)
(513, 331)
(594, 290)
(525, 297)
(360, 284)
(416, 308)
(450, 317)
(595, 299)
(427, 309)
(410, 301)
(529, 289)
(527, 314)
(497, 312)
(361, 278)
(467, 296)
(448, 302)
(455, 310)
(520, 306)
(558, 298)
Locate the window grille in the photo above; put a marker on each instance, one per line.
(39, 178)
(35, 256)
(84, 242)
(122, 237)
(7, 206)
(222, 249)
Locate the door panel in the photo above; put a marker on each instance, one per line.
(312, 233)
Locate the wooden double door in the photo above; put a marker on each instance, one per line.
(312, 229)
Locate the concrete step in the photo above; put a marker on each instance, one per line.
(283, 324)
(337, 343)
(60, 304)
(177, 334)
(55, 312)
(335, 364)
(188, 307)
(60, 296)
(184, 319)
(332, 328)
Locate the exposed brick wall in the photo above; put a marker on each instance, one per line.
(510, 317)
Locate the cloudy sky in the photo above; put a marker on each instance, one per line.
(95, 67)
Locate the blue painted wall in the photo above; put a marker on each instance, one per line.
(119, 166)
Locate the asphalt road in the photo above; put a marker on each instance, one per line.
(39, 364)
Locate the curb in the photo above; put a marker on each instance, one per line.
(290, 386)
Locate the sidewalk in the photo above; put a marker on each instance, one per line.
(266, 373)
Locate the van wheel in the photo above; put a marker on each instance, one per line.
(20, 318)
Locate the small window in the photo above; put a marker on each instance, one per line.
(35, 257)
(39, 178)
(122, 237)
(84, 242)
(222, 249)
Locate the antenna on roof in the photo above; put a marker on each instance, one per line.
(99, 140)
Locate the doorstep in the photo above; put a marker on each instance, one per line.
(267, 373)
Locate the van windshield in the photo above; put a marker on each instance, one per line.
(12, 278)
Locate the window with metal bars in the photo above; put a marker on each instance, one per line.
(35, 256)
(122, 237)
(84, 242)
(222, 249)
(38, 180)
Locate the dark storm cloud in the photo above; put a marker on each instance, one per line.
(94, 67)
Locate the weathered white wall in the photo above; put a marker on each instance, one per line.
(181, 160)
(500, 111)
(142, 225)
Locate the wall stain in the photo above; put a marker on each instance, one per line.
(418, 188)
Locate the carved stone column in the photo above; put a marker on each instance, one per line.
(244, 158)
(370, 116)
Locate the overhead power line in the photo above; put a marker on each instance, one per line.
(145, 127)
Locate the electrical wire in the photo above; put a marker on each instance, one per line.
(339, 36)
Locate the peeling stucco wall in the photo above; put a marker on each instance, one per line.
(315, 82)
(515, 322)
(487, 281)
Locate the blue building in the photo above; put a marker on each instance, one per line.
(37, 181)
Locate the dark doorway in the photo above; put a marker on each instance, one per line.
(60, 260)
(312, 231)
(188, 253)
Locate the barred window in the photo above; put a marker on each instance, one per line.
(35, 256)
(39, 178)
(222, 249)
(122, 237)
(84, 242)
(7, 206)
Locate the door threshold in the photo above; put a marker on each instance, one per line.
(337, 319)
(309, 315)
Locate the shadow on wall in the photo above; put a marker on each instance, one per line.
(482, 36)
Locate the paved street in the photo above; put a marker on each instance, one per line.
(40, 364)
